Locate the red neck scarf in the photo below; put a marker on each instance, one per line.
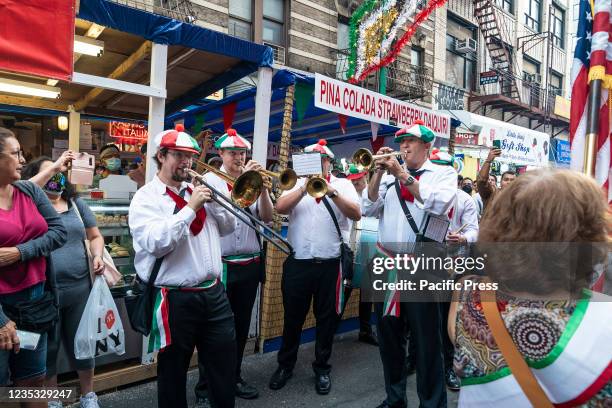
(406, 194)
(196, 225)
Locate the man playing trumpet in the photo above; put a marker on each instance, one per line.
(243, 267)
(314, 270)
(425, 188)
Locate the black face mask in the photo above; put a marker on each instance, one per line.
(467, 188)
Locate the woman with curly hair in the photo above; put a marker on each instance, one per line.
(545, 235)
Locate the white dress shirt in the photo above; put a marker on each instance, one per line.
(311, 229)
(465, 212)
(243, 240)
(188, 260)
(437, 187)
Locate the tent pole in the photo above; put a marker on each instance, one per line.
(262, 115)
(157, 106)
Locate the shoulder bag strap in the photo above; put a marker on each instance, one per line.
(519, 368)
(255, 227)
(405, 208)
(157, 264)
(333, 216)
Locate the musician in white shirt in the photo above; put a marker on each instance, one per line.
(176, 229)
(241, 254)
(314, 270)
(426, 188)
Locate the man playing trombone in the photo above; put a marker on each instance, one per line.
(314, 270)
(176, 231)
(243, 267)
(425, 188)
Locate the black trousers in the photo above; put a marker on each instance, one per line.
(242, 283)
(303, 281)
(201, 319)
(365, 311)
(448, 350)
(424, 321)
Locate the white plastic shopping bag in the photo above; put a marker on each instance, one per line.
(100, 330)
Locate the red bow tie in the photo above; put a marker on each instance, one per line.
(318, 200)
(198, 223)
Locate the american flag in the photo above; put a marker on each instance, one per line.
(592, 58)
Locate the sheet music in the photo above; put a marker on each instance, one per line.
(306, 164)
(436, 228)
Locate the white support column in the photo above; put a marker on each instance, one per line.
(159, 62)
(262, 115)
(74, 130)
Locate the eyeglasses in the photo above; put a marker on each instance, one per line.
(180, 156)
(18, 154)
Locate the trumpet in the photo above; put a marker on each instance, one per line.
(248, 219)
(316, 186)
(286, 178)
(364, 158)
(245, 189)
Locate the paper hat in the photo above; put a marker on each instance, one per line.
(177, 139)
(439, 157)
(320, 147)
(355, 172)
(417, 129)
(233, 141)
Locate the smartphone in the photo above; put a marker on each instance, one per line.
(82, 169)
(497, 144)
(28, 340)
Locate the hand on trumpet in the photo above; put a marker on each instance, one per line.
(330, 189)
(200, 196)
(255, 166)
(389, 163)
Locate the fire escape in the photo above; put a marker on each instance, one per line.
(181, 10)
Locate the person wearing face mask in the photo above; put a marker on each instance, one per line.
(467, 185)
(71, 264)
(110, 159)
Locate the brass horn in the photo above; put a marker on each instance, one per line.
(245, 189)
(286, 178)
(316, 187)
(364, 158)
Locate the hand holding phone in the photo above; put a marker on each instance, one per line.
(82, 169)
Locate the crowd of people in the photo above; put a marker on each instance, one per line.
(206, 266)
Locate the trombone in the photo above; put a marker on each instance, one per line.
(364, 158)
(235, 209)
(245, 189)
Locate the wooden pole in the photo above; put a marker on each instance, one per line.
(285, 146)
(592, 127)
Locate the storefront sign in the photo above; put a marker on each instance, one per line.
(468, 139)
(560, 153)
(450, 97)
(488, 77)
(130, 133)
(354, 101)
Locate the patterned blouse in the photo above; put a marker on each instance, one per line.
(535, 327)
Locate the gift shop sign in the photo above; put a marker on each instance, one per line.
(356, 102)
(126, 130)
(524, 147)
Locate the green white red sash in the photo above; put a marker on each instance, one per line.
(573, 372)
(160, 336)
(241, 259)
(391, 306)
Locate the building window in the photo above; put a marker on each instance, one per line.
(558, 26)
(273, 22)
(531, 70)
(241, 19)
(556, 83)
(460, 67)
(532, 16)
(416, 56)
(506, 5)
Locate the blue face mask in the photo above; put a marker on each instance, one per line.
(112, 164)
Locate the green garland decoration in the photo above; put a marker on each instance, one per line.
(365, 8)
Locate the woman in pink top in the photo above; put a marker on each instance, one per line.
(31, 229)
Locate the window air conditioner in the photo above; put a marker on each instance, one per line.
(466, 45)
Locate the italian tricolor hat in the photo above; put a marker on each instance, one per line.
(439, 157)
(417, 129)
(355, 173)
(320, 147)
(178, 139)
(233, 141)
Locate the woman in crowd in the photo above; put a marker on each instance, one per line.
(544, 236)
(71, 264)
(31, 229)
(110, 161)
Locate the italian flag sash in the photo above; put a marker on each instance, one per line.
(339, 291)
(160, 336)
(241, 259)
(391, 307)
(573, 372)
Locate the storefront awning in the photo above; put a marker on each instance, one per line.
(315, 124)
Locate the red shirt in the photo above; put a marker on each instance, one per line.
(20, 224)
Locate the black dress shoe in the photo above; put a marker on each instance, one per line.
(411, 368)
(322, 384)
(246, 391)
(368, 337)
(452, 381)
(279, 378)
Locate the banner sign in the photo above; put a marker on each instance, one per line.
(469, 139)
(37, 37)
(129, 133)
(350, 100)
(560, 154)
(488, 77)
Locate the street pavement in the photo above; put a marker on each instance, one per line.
(357, 381)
